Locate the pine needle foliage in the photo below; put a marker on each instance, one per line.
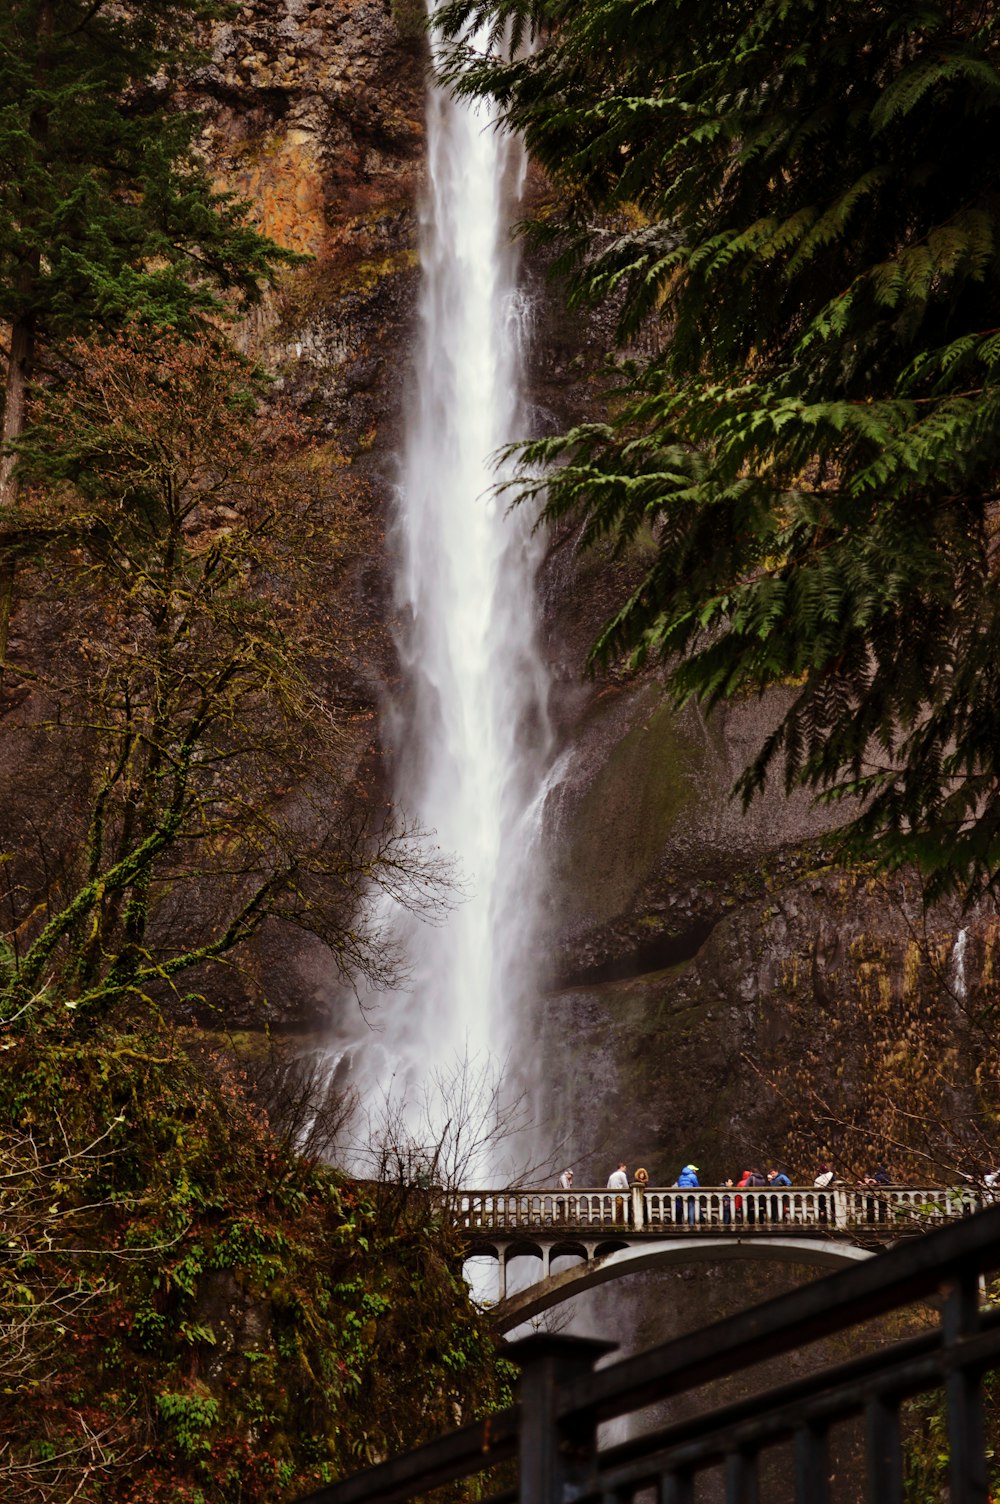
(108, 212)
(798, 205)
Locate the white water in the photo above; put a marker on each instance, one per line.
(958, 979)
(467, 734)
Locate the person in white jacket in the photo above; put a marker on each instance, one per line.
(618, 1181)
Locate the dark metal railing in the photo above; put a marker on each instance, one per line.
(553, 1430)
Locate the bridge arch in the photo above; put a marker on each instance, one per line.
(553, 1289)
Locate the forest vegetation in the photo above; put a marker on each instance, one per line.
(190, 1309)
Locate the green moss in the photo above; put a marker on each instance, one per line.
(250, 1323)
(365, 276)
(649, 779)
(410, 17)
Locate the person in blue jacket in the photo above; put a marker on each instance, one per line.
(776, 1178)
(687, 1178)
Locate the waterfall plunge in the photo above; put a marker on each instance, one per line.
(467, 735)
(958, 979)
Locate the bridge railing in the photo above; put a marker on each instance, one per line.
(836, 1208)
(551, 1439)
(509, 1211)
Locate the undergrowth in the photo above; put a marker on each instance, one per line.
(192, 1314)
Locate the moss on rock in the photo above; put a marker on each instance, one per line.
(233, 1322)
(623, 821)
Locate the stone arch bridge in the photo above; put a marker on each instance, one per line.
(610, 1234)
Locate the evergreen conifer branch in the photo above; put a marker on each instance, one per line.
(803, 199)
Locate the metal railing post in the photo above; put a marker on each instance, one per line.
(557, 1460)
(967, 1471)
(741, 1478)
(676, 1488)
(812, 1483)
(885, 1454)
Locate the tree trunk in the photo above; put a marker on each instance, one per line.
(22, 349)
(22, 345)
(22, 332)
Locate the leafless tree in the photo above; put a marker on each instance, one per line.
(455, 1130)
(307, 1109)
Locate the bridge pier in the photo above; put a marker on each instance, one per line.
(504, 1250)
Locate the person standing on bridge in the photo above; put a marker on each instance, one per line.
(618, 1181)
(687, 1178)
(777, 1178)
(824, 1180)
(566, 1180)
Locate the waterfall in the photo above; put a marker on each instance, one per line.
(958, 979)
(467, 733)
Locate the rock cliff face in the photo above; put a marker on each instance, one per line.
(314, 113)
(691, 949)
(700, 954)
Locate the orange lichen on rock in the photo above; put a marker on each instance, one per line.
(284, 183)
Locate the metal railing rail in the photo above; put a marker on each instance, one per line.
(553, 1430)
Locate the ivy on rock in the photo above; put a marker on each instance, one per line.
(191, 1311)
